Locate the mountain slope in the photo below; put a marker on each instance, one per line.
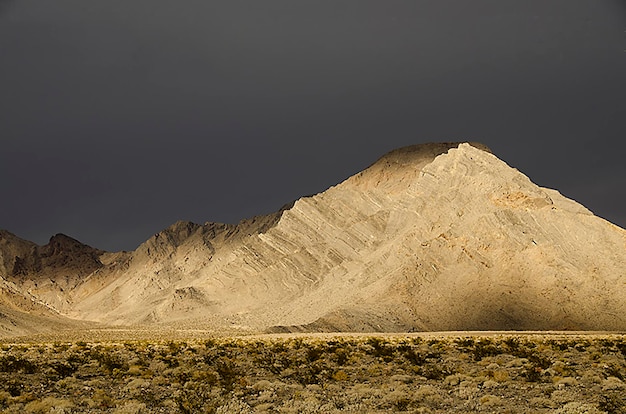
(429, 237)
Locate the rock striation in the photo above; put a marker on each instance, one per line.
(430, 237)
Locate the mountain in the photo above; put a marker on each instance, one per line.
(32, 276)
(430, 237)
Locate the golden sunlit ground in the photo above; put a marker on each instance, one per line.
(196, 372)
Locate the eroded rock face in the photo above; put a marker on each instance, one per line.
(12, 250)
(21, 258)
(429, 237)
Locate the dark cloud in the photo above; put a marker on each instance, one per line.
(5, 5)
(120, 117)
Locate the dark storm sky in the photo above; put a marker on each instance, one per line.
(119, 117)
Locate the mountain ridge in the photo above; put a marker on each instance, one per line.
(416, 241)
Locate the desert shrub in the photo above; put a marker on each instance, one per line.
(533, 371)
(518, 348)
(612, 404)
(428, 395)
(621, 346)
(309, 374)
(464, 343)
(209, 343)
(413, 355)
(169, 360)
(138, 386)
(134, 369)
(12, 364)
(274, 362)
(434, 371)
(582, 345)
(397, 400)
(206, 375)
(436, 348)
(607, 344)
(78, 358)
(175, 348)
(5, 399)
(512, 345)
(196, 397)
(81, 344)
(49, 405)
(62, 369)
(340, 375)
(234, 406)
(563, 368)
(339, 352)
(314, 353)
(490, 400)
(100, 399)
(61, 347)
(578, 408)
(110, 361)
(560, 345)
(613, 370)
(132, 407)
(14, 387)
(485, 348)
(380, 349)
(501, 376)
(228, 372)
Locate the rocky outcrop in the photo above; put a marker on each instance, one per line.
(13, 250)
(23, 259)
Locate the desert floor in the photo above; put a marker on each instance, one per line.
(142, 371)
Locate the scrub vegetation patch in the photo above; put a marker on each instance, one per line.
(307, 374)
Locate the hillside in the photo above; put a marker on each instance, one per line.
(430, 237)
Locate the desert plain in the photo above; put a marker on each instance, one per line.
(123, 371)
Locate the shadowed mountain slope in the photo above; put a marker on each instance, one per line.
(429, 237)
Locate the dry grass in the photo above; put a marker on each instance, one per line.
(306, 374)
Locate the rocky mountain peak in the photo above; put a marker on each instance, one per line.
(61, 243)
(394, 170)
(62, 253)
(418, 154)
(178, 232)
(168, 239)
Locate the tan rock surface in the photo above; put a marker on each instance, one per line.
(430, 237)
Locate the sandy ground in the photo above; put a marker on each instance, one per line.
(142, 333)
